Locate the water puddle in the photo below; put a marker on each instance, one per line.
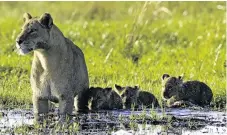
(157, 121)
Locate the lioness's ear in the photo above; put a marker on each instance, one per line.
(165, 76)
(26, 17)
(46, 20)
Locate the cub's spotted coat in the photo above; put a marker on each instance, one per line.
(133, 97)
(187, 93)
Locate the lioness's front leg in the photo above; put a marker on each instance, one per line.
(40, 107)
(65, 107)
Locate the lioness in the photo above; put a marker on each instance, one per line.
(188, 93)
(58, 72)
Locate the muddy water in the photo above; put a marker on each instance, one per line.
(158, 121)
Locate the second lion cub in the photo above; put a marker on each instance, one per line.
(133, 96)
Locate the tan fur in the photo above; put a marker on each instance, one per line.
(58, 72)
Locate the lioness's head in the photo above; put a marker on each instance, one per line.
(34, 33)
(170, 85)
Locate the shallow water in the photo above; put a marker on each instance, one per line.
(171, 122)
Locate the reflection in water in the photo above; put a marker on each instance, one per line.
(172, 122)
(13, 118)
(165, 130)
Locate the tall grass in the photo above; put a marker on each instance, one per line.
(127, 43)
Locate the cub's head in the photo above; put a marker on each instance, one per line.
(128, 94)
(100, 94)
(35, 33)
(170, 85)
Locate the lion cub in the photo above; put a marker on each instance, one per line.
(133, 97)
(104, 98)
(189, 93)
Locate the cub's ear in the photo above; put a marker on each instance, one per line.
(180, 78)
(109, 89)
(26, 17)
(165, 76)
(118, 87)
(136, 87)
(46, 20)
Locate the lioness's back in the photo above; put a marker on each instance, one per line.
(75, 48)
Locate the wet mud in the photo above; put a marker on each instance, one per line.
(117, 122)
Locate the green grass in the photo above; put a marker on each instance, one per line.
(126, 43)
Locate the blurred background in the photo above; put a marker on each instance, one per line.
(125, 43)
